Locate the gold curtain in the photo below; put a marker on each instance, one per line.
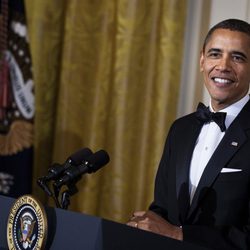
(107, 75)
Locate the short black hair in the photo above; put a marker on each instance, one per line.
(230, 24)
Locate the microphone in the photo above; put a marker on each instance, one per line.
(90, 165)
(75, 159)
(57, 169)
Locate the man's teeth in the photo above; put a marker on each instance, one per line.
(222, 80)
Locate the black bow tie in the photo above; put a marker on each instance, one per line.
(204, 115)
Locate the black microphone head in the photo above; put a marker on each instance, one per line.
(97, 160)
(78, 157)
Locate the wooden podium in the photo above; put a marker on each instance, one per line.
(70, 230)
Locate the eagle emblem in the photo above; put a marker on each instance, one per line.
(26, 236)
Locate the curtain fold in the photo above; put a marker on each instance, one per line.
(107, 75)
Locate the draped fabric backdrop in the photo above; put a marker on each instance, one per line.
(107, 75)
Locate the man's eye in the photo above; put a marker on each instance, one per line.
(213, 55)
(237, 58)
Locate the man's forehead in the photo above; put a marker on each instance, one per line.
(225, 38)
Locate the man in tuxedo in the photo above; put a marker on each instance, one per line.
(202, 187)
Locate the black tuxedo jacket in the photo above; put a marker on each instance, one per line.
(219, 215)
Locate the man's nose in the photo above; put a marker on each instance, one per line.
(224, 64)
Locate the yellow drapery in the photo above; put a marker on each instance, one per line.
(107, 75)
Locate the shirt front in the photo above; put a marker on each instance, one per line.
(208, 140)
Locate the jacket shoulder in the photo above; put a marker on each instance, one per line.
(185, 120)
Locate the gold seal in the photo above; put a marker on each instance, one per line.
(27, 224)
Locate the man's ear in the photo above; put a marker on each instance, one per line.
(201, 61)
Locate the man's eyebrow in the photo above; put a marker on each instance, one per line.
(214, 50)
(239, 53)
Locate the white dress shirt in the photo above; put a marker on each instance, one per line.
(208, 140)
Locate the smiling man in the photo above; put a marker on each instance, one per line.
(225, 65)
(202, 187)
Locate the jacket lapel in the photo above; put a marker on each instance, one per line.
(232, 141)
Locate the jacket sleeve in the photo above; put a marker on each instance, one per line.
(160, 204)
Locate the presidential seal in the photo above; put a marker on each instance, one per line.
(27, 224)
